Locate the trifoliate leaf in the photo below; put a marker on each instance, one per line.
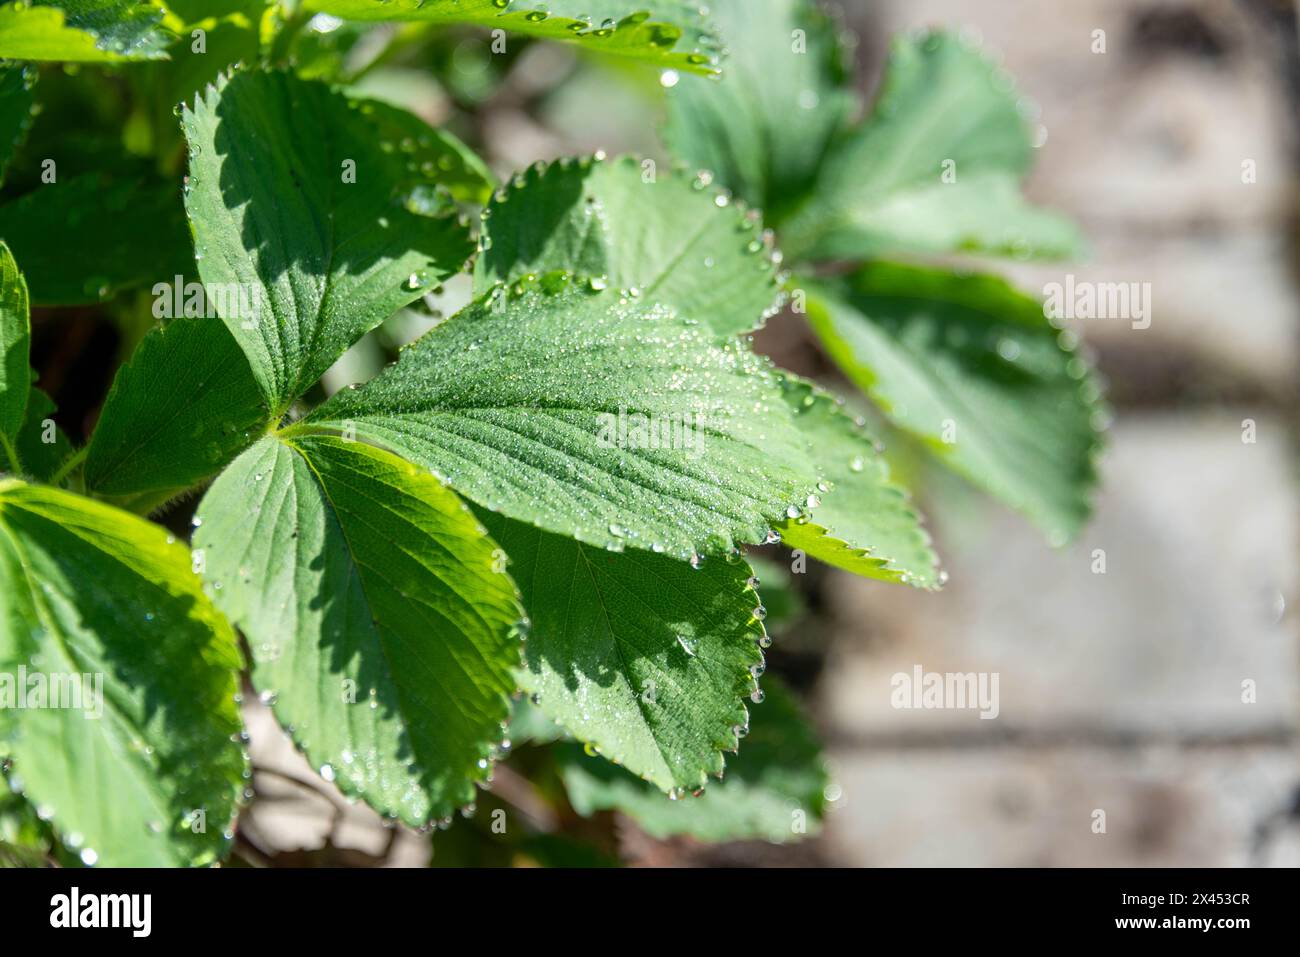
(785, 92)
(57, 231)
(971, 366)
(674, 240)
(141, 763)
(593, 415)
(296, 194)
(865, 523)
(15, 361)
(935, 169)
(638, 655)
(17, 97)
(87, 31)
(181, 409)
(380, 617)
(773, 789)
(669, 33)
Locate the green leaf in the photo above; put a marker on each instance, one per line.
(88, 31)
(543, 404)
(945, 112)
(380, 617)
(447, 169)
(183, 407)
(669, 33)
(15, 362)
(91, 590)
(773, 789)
(271, 212)
(17, 98)
(764, 129)
(865, 523)
(644, 658)
(662, 235)
(42, 445)
(971, 366)
(90, 237)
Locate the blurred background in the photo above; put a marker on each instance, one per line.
(1120, 691)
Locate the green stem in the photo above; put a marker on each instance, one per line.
(11, 453)
(71, 463)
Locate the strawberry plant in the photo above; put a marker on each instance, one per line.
(536, 525)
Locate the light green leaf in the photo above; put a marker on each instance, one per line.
(17, 98)
(669, 33)
(658, 233)
(86, 589)
(87, 31)
(15, 362)
(544, 404)
(764, 129)
(90, 237)
(865, 523)
(180, 410)
(935, 169)
(379, 614)
(644, 658)
(272, 211)
(971, 366)
(773, 789)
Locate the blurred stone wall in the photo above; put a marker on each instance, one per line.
(1121, 691)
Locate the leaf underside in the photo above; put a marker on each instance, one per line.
(935, 169)
(672, 34)
(970, 365)
(86, 31)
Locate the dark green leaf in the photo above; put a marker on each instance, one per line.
(15, 361)
(88, 238)
(272, 211)
(181, 409)
(17, 97)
